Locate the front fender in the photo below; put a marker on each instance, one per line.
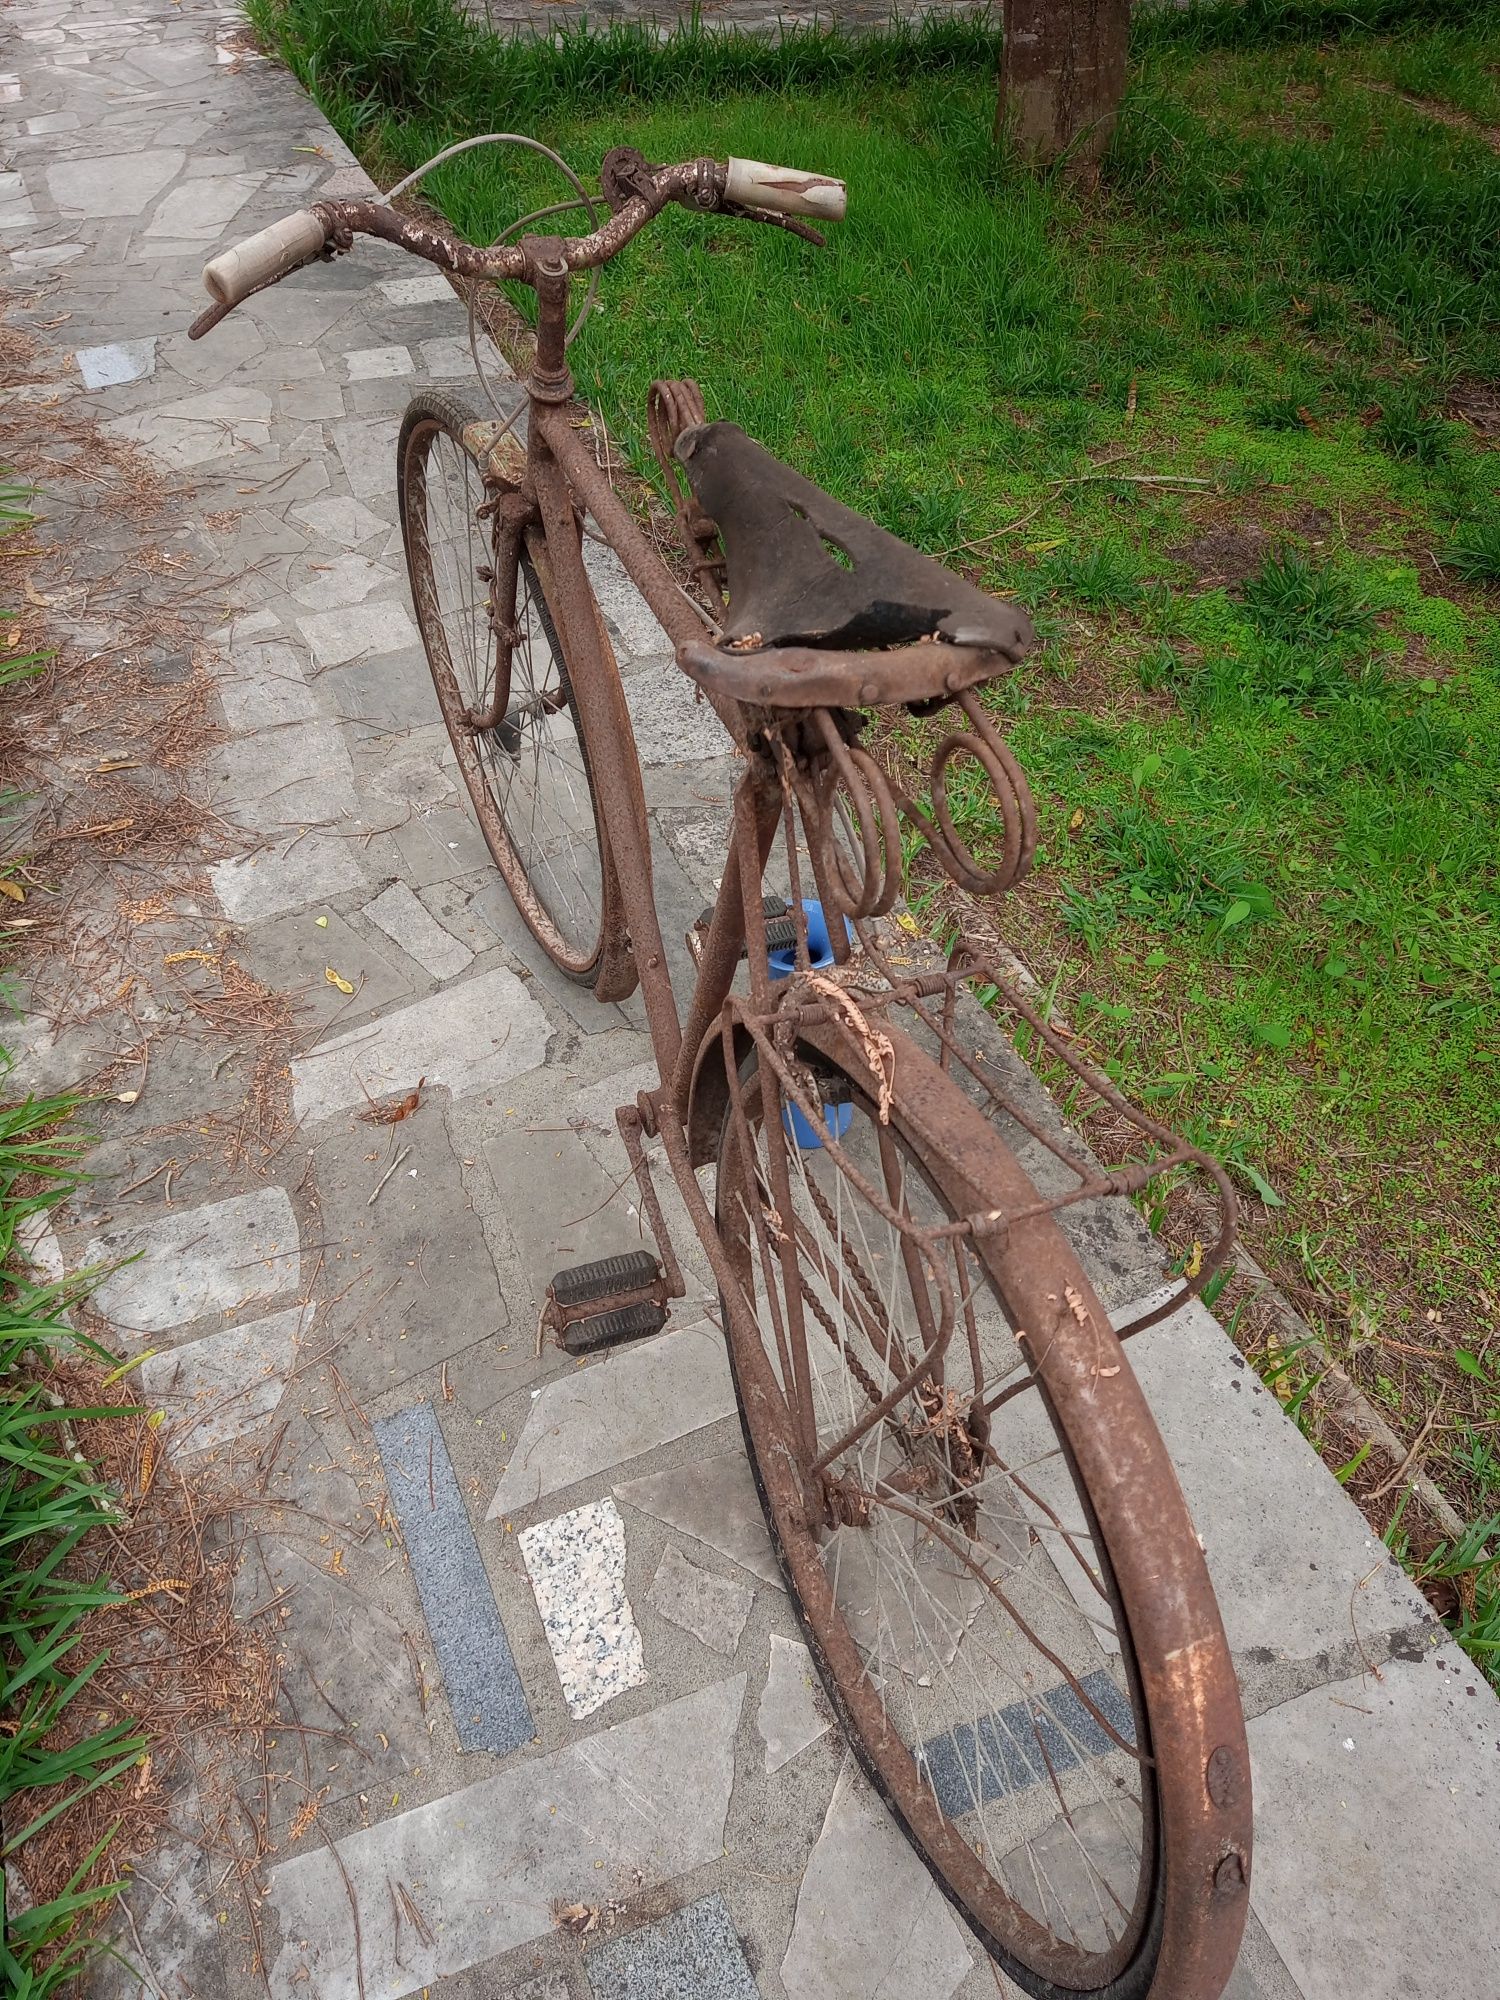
(709, 1092)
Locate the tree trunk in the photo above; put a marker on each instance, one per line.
(1062, 74)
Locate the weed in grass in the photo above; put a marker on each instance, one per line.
(1091, 916)
(1407, 428)
(1470, 1568)
(1287, 410)
(1275, 671)
(1306, 603)
(1325, 310)
(1474, 551)
(1160, 666)
(1099, 577)
(1170, 878)
(1233, 477)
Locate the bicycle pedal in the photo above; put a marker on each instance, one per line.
(833, 1086)
(613, 1329)
(607, 1302)
(781, 928)
(582, 1284)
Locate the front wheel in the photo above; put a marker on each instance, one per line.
(995, 1571)
(507, 701)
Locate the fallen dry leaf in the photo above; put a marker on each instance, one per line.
(392, 1114)
(14, 890)
(579, 1918)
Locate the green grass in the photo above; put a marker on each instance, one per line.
(1265, 726)
(49, 1503)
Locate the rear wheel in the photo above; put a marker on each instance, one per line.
(509, 709)
(958, 1592)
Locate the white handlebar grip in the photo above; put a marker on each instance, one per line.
(752, 184)
(264, 257)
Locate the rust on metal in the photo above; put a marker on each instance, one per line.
(827, 616)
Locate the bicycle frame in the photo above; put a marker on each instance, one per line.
(559, 473)
(558, 469)
(797, 762)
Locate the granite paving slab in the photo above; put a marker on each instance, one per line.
(871, 1923)
(793, 1709)
(577, 1566)
(618, 1810)
(196, 1261)
(714, 1501)
(469, 1038)
(694, 1954)
(215, 1389)
(480, 1679)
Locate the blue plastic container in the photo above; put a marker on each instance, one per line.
(837, 1118)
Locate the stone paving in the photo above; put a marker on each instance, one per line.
(530, 1602)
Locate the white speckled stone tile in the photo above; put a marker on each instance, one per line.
(576, 1562)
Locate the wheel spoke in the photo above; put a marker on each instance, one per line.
(961, 1570)
(528, 775)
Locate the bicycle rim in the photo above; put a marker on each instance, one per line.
(527, 772)
(969, 1631)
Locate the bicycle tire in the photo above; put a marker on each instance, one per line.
(1188, 1910)
(571, 905)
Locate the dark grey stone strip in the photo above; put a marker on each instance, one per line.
(490, 1709)
(1024, 1743)
(694, 1954)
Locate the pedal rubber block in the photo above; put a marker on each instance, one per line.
(781, 932)
(631, 1271)
(833, 1086)
(613, 1329)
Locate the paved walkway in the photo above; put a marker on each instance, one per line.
(532, 1602)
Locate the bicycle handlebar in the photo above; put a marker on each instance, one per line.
(750, 187)
(263, 258)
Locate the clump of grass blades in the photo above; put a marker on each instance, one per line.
(1286, 411)
(1474, 552)
(1098, 577)
(1472, 1566)
(1275, 671)
(1406, 428)
(49, 1502)
(1307, 603)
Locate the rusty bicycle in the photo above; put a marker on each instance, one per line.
(976, 1516)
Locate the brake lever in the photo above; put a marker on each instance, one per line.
(795, 223)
